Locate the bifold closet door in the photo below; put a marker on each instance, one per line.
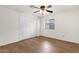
(27, 26)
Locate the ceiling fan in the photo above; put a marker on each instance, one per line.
(42, 8)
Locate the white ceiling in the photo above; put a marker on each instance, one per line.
(63, 8)
(55, 8)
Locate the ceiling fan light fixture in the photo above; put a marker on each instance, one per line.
(44, 12)
(40, 11)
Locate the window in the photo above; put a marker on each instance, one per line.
(50, 24)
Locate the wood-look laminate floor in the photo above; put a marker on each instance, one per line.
(40, 45)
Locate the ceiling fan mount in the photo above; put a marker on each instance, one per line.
(42, 7)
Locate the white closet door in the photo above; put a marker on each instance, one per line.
(27, 26)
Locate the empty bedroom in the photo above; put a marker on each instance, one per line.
(39, 28)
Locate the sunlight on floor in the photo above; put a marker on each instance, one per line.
(47, 47)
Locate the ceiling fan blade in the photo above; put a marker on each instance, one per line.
(36, 11)
(32, 6)
(49, 11)
(49, 6)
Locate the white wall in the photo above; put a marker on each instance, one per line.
(15, 26)
(66, 26)
(8, 26)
